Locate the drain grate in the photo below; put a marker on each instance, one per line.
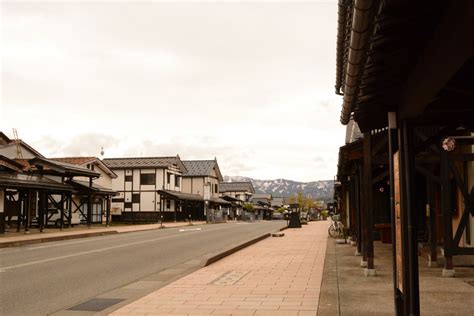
(96, 304)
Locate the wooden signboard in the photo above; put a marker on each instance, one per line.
(398, 221)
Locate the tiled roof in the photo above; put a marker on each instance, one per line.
(81, 161)
(262, 196)
(201, 168)
(236, 187)
(75, 160)
(144, 162)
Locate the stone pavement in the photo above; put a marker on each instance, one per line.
(277, 276)
(346, 291)
(14, 238)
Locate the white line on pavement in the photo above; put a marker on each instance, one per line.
(21, 265)
(189, 229)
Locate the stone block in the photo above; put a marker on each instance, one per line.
(448, 273)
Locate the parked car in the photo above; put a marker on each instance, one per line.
(277, 216)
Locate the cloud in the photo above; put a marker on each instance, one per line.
(250, 83)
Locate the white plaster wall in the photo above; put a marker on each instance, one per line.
(136, 179)
(159, 179)
(117, 184)
(186, 185)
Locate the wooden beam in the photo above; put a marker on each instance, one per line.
(368, 207)
(451, 45)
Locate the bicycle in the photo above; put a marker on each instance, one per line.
(336, 230)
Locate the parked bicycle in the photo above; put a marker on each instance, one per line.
(336, 230)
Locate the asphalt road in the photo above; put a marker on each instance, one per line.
(45, 278)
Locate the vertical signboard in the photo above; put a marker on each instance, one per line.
(398, 220)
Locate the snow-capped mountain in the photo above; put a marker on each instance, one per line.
(321, 190)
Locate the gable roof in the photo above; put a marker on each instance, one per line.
(6, 141)
(236, 187)
(144, 162)
(202, 168)
(80, 161)
(62, 168)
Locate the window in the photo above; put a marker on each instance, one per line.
(168, 176)
(216, 188)
(136, 198)
(176, 180)
(147, 179)
(128, 205)
(128, 178)
(168, 204)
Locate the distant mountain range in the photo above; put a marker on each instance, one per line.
(320, 190)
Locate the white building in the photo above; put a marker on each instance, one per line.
(138, 182)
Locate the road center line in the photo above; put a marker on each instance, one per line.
(189, 229)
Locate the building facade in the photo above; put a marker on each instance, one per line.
(139, 180)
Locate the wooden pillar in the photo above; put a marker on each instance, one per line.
(21, 202)
(27, 212)
(352, 209)
(359, 212)
(89, 204)
(41, 210)
(175, 209)
(107, 219)
(363, 217)
(447, 216)
(392, 148)
(61, 209)
(2, 211)
(69, 209)
(368, 204)
(410, 252)
(432, 214)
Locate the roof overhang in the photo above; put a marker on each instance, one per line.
(180, 196)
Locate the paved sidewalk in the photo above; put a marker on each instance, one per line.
(53, 234)
(346, 291)
(277, 276)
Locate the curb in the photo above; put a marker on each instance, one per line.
(17, 243)
(55, 238)
(216, 257)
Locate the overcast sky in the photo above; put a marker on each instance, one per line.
(251, 83)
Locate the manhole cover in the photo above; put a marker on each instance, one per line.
(96, 304)
(229, 277)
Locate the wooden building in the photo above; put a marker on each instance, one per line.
(405, 70)
(202, 178)
(238, 193)
(138, 182)
(38, 180)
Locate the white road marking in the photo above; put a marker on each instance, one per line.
(26, 264)
(189, 229)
